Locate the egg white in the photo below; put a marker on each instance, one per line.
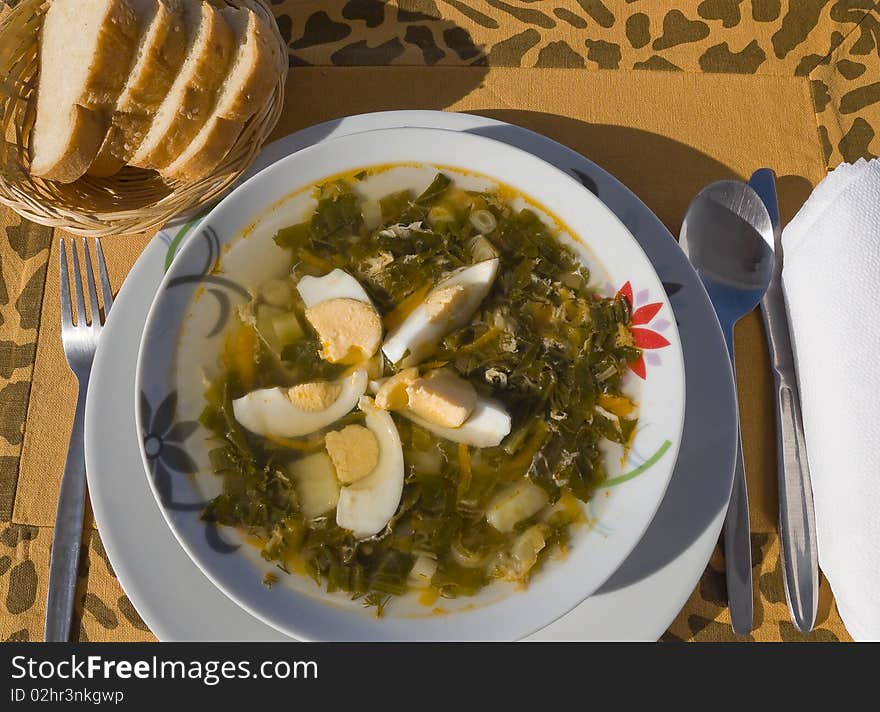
(269, 411)
(365, 507)
(335, 285)
(487, 426)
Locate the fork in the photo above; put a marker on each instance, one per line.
(80, 341)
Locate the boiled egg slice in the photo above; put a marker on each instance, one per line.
(366, 506)
(446, 404)
(487, 426)
(340, 311)
(447, 307)
(302, 409)
(335, 285)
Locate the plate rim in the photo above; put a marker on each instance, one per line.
(686, 563)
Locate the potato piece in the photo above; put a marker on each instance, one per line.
(566, 510)
(316, 484)
(524, 553)
(279, 293)
(514, 504)
(422, 572)
(287, 328)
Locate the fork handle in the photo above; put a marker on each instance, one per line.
(68, 530)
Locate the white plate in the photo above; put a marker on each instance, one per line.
(188, 325)
(639, 601)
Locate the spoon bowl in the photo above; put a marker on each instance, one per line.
(728, 237)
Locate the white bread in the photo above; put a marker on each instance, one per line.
(158, 61)
(192, 96)
(247, 88)
(86, 51)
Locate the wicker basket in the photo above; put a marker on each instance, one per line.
(134, 200)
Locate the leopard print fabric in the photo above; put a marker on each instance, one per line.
(835, 43)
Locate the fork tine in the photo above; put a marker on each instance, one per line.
(94, 309)
(64, 280)
(77, 288)
(106, 292)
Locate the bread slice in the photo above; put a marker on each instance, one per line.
(86, 51)
(193, 94)
(246, 89)
(158, 61)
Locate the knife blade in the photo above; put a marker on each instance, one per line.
(797, 522)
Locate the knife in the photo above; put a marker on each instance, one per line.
(797, 521)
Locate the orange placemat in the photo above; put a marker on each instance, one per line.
(709, 91)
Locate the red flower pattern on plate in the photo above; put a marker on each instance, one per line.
(647, 339)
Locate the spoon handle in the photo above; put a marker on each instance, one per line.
(738, 551)
(737, 535)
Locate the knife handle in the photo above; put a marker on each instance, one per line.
(797, 524)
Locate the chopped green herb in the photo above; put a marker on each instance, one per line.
(543, 343)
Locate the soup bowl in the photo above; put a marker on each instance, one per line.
(231, 251)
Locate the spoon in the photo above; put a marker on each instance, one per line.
(728, 237)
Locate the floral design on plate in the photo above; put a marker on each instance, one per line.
(163, 447)
(646, 328)
(165, 453)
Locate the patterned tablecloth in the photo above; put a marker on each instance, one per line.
(666, 99)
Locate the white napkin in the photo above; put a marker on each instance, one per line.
(831, 279)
